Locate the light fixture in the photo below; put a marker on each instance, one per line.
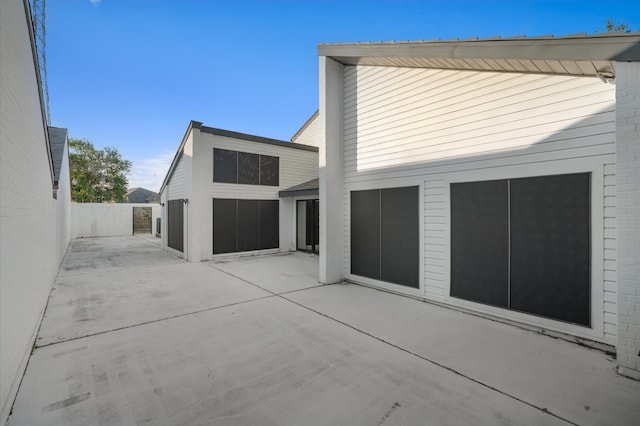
(606, 76)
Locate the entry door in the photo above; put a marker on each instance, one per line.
(308, 230)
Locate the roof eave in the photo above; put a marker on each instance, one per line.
(619, 47)
(176, 158)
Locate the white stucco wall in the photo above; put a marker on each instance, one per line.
(107, 220)
(29, 247)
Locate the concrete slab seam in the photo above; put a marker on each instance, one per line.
(156, 320)
(452, 370)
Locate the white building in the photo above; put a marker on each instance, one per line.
(34, 197)
(221, 193)
(496, 176)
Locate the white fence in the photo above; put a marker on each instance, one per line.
(107, 220)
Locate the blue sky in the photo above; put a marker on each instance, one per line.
(132, 73)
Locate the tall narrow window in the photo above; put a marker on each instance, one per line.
(269, 170)
(248, 168)
(225, 166)
(175, 224)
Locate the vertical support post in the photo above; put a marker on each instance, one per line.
(331, 171)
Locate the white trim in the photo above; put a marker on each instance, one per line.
(383, 184)
(593, 165)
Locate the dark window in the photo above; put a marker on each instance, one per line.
(269, 224)
(248, 225)
(365, 233)
(225, 229)
(269, 170)
(550, 247)
(480, 242)
(248, 168)
(175, 224)
(245, 225)
(400, 236)
(524, 244)
(245, 168)
(385, 235)
(225, 166)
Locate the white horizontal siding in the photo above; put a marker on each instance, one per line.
(176, 185)
(430, 117)
(311, 134)
(435, 256)
(436, 126)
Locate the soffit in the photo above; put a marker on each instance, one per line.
(578, 55)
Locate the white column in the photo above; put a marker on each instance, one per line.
(628, 216)
(331, 171)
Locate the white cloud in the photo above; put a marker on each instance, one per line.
(94, 2)
(150, 172)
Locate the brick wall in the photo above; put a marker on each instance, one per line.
(29, 248)
(628, 216)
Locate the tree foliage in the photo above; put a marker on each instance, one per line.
(616, 27)
(97, 176)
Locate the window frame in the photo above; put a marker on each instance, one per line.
(594, 165)
(244, 177)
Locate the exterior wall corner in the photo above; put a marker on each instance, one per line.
(628, 216)
(331, 171)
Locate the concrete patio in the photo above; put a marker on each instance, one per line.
(134, 336)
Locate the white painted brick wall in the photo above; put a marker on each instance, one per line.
(628, 216)
(29, 247)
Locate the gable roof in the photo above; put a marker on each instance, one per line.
(310, 187)
(305, 125)
(141, 195)
(577, 55)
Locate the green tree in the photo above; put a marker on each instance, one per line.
(97, 176)
(618, 27)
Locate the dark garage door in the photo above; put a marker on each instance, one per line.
(524, 244)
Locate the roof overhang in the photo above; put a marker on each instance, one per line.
(578, 55)
(310, 187)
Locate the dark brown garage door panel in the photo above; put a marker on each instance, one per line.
(550, 253)
(480, 242)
